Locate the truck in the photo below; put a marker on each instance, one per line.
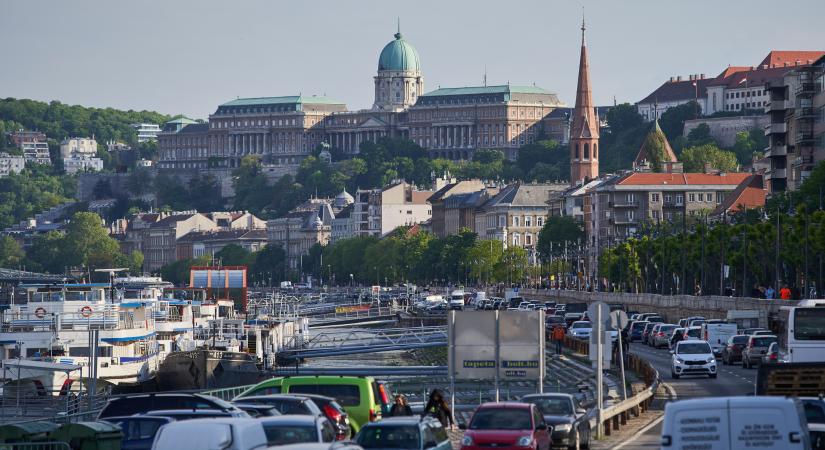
(748, 318)
(717, 335)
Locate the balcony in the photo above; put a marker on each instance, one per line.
(778, 173)
(623, 221)
(805, 113)
(777, 105)
(777, 150)
(776, 128)
(673, 204)
(805, 138)
(626, 204)
(807, 89)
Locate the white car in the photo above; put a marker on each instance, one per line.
(211, 434)
(581, 329)
(692, 357)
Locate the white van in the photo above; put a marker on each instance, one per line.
(732, 423)
(717, 335)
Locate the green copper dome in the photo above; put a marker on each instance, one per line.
(399, 56)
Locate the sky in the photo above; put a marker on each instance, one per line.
(187, 57)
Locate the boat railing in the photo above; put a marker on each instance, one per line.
(53, 406)
(89, 317)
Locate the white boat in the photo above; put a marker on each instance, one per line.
(55, 326)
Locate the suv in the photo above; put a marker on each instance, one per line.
(411, 432)
(129, 405)
(757, 346)
(636, 329)
(361, 397)
(692, 357)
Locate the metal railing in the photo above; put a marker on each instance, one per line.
(54, 408)
(35, 446)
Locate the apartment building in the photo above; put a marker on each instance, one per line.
(377, 212)
(439, 224)
(305, 226)
(199, 243)
(159, 240)
(11, 164)
(146, 131)
(34, 144)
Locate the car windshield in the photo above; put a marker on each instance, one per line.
(289, 434)
(667, 329)
(694, 332)
(552, 406)
(501, 419)
(693, 348)
(581, 325)
(385, 436)
(740, 340)
(809, 324)
(763, 341)
(637, 326)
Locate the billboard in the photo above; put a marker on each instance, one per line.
(496, 345)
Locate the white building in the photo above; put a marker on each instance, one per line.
(73, 147)
(146, 131)
(34, 145)
(377, 212)
(82, 164)
(11, 164)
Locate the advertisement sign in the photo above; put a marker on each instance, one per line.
(496, 345)
(351, 309)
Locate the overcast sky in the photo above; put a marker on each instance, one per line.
(182, 56)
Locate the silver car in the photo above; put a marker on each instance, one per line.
(663, 335)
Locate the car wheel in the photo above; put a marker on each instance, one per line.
(673, 375)
(586, 441)
(744, 363)
(576, 443)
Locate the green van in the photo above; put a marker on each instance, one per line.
(363, 398)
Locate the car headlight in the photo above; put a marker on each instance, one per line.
(466, 440)
(562, 427)
(679, 360)
(711, 359)
(525, 441)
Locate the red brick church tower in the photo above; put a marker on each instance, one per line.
(584, 129)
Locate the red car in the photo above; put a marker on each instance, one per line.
(507, 426)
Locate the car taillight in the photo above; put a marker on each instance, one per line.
(332, 414)
(773, 356)
(661, 334)
(385, 399)
(373, 415)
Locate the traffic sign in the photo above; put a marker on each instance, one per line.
(618, 319)
(599, 311)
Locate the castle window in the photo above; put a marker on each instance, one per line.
(586, 151)
(576, 156)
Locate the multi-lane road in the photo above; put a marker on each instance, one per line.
(732, 380)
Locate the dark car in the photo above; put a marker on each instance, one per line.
(551, 322)
(732, 352)
(189, 414)
(404, 433)
(288, 404)
(636, 329)
(646, 331)
(129, 405)
(297, 429)
(138, 431)
(335, 413)
(256, 410)
(570, 424)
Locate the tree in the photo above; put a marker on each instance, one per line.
(673, 120)
(233, 255)
(482, 259)
(87, 243)
(252, 192)
(624, 117)
(546, 152)
(749, 143)
(268, 265)
(695, 158)
(512, 266)
(556, 231)
(11, 254)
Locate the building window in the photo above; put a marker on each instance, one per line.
(710, 197)
(680, 199)
(516, 221)
(528, 221)
(528, 239)
(631, 215)
(539, 221)
(586, 151)
(654, 214)
(576, 147)
(654, 198)
(631, 198)
(701, 197)
(668, 198)
(691, 198)
(502, 221)
(516, 239)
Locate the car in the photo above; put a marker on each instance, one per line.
(570, 317)
(288, 404)
(189, 414)
(129, 405)
(684, 323)
(692, 333)
(507, 425)
(296, 429)
(652, 333)
(816, 433)
(336, 414)
(636, 329)
(814, 409)
(257, 410)
(646, 331)
(361, 397)
(138, 431)
(551, 322)
(201, 434)
(346, 445)
(676, 336)
(732, 353)
(580, 329)
(692, 357)
(410, 432)
(569, 422)
(735, 423)
(751, 331)
(772, 355)
(762, 333)
(656, 319)
(757, 346)
(696, 323)
(661, 337)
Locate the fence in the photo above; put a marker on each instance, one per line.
(35, 446)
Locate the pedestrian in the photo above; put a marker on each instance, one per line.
(697, 290)
(785, 292)
(437, 407)
(400, 407)
(755, 293)
(558, 337)
(770, 293)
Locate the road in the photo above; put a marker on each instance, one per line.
(732, 380)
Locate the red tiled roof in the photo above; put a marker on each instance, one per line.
(780, 57)
(749, 194)
(645, 178)
(755, 77)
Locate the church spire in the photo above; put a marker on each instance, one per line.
(584, 127)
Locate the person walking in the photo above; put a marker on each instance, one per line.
(770, 293)
(400, 407)
(437, 407)
(558, 337)
(785, 292)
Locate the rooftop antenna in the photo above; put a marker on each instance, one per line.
(485, 75)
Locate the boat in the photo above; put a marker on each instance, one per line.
(58, 324)
(207, 369)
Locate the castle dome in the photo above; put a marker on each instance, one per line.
(399, 56)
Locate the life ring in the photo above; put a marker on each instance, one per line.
(86, 311)
(40, 312)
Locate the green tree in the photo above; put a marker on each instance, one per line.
(252, 190)
(695, 158)
(557, 231)
(88, 244)
(11, 254)
(268, 265)
(673, 120)
(233, 255)
(512, 267)
(748, 144)
(483, 257)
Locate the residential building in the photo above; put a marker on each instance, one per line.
(516, 214)
(11, 164)
(448, 122)
(305, 226)
(750, 193)
(34, 144)
(146, 131)
(342, 225)
(377, 212)
(438, 203)
(236, 220)
(199, 243)
(76, 146)
(159, 240)
(584, 128)
(796, 132)
(80, 163)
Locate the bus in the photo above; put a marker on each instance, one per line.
(800, 331)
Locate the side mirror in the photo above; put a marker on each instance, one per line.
(462, 426)
(581, 411)
(672, 352)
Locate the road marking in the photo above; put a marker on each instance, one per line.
(640, 433)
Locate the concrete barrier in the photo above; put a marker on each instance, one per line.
(672, 307)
